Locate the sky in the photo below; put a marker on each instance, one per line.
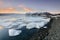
(23, 6)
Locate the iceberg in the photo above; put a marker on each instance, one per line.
(31, 25)
(37, 24)
(13, 32)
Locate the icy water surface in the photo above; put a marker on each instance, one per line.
(20, 26)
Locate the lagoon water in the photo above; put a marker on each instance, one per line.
(27, 25)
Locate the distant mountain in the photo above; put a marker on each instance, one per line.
(45, 14)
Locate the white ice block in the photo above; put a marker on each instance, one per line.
(13, 32)
(30, 25)
(37, 24)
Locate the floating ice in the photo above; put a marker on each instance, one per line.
(31, 25)
(13, 32)
(5, 24)
(14, 25)
(28, 22)
(45, 27)
(37, 24)
(21, 26)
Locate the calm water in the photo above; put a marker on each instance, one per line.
(26, 34)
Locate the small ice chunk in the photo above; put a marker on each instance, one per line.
(35, 25)
(41, 24)
(45, 27)
(21, 26)
(13, 32)
(30, 25)
(15, 25)
(5, 23)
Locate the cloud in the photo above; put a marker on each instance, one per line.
(7, 10)
(10, 10)
(26, 9)
(1, 3)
